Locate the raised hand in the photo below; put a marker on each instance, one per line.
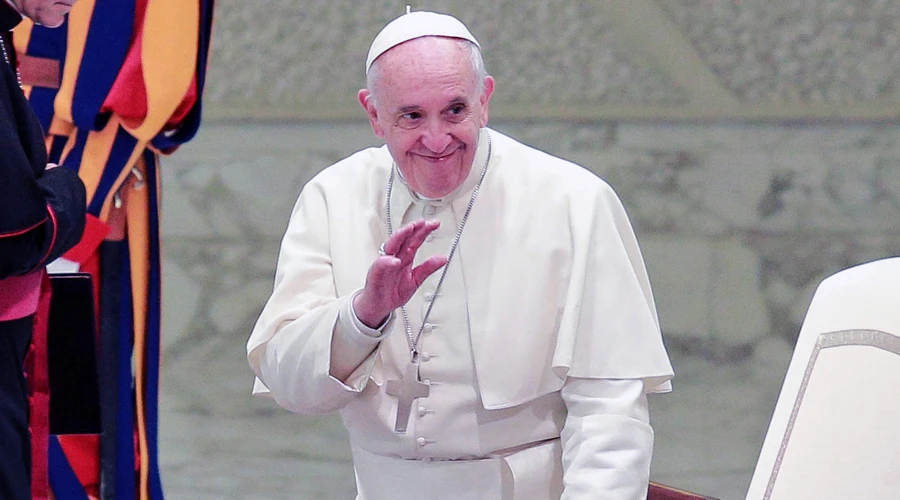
(392, 280)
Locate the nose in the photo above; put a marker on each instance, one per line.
(436, 137)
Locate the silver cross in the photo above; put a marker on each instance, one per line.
(406, 390)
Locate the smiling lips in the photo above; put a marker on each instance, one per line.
(439, 158)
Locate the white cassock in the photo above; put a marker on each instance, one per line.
(540, 349)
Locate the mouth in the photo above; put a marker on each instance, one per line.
(441, 158)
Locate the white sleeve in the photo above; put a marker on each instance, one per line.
(607, 440)
(305, 326)
(352, 345)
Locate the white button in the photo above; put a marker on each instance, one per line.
(426, 382)
(426, 356)
(429, 296)
(430, 210)
(422, 411)
(427, 327)
(429, 238)
(421, 441)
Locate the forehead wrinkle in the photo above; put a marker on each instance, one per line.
(442, 60)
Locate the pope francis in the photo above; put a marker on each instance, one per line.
(477, 310)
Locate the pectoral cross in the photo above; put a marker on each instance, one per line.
(406, 390)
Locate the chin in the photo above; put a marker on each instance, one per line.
(51, 18)
(53, 22)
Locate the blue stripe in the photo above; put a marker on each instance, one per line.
(126, 485)
(63, 481)
(122, 148)
(108, 40)
(76, 155)
(51, 44)
(41, 100)
(152, 349)
(57, 144)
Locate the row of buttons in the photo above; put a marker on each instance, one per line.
(427, 327)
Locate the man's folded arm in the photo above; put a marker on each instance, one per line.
(62, 195)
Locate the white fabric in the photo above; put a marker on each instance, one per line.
(416, 25)
(843, 440)
(540, 309)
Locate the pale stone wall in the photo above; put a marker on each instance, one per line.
(738, 224)
(579, 58)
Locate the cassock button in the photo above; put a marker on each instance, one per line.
(421, 441)
(422, 411)
(430, 210)
(426, 356)
(427, 327)
(429, 296)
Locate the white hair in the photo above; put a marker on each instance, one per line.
(373, 76)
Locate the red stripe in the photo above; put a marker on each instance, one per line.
(22, 231)
(95, 232)
(53, 238)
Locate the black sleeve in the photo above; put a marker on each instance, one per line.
(65, 199)
(41, 211)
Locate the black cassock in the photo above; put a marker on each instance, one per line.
(41, 216)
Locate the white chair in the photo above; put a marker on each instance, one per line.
(835, 431)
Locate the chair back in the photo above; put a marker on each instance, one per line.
(835, 431)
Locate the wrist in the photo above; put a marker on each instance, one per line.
(365, 314)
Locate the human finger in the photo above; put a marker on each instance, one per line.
(421, 272)
(393, 244)
(412, 244)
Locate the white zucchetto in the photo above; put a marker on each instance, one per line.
(416, 25)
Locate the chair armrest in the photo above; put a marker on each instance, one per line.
(662, 492)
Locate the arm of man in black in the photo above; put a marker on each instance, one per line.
(41, 210)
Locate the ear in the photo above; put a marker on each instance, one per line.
(486, 99)
(366, 102)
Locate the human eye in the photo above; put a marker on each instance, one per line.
(456, 112)
(410, 119)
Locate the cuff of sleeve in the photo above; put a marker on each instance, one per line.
(356, 325)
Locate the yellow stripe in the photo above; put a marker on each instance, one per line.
(138, 229)
(169, 59)
(79, 22)
(22, 34)
(59, 126)
(97, 148)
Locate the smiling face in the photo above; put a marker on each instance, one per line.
(50, 13)
(429, 109)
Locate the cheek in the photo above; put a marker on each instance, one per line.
(401, 140)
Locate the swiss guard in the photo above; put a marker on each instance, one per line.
(116, 87)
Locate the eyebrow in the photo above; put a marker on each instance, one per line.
(402, 110)
(458, 100)
(408, 109)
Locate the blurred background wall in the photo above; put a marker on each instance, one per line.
(755, 145)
